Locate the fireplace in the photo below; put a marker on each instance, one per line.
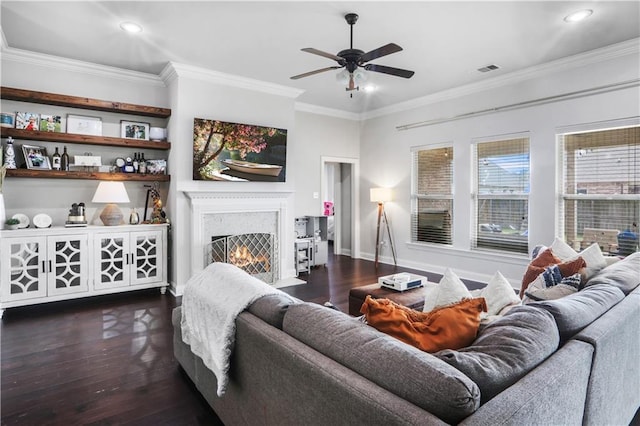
(255, 253)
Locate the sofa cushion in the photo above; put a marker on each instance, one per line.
(506, 349)
(447, 327)
(574, 312)
(271, 308)
(449, 290)
(544, 260)
(624, 274)
(408, 372)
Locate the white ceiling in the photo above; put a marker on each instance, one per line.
(444, 42)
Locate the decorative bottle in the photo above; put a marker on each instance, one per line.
(10, 154)
(142, 166)
(135, 163)
(56, 160)
(64, 160)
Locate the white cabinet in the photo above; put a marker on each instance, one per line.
(44, 265)
(34, 267)
(128, 258)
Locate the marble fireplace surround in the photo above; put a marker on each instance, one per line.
(235, 212)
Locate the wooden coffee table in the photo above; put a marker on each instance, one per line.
(413, 298)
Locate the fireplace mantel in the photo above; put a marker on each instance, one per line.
(207, 202)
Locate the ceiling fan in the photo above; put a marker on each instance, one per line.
(351, 59)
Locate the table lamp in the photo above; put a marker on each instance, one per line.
(111, 193)
(381, 196)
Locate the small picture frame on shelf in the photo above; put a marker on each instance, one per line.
(134, 130)
(156, 167)
(83, 125)
(27, 120)
(36, 157)
(50, 123)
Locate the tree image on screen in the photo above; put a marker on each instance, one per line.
(237, 152)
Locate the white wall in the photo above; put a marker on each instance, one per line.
(386, 160)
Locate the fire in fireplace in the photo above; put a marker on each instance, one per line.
(254, 253)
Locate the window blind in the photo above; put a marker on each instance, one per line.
(432, 195)
(501, 195)
(600, 187)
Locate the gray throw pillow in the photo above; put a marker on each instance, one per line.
(506, 350)
(576, 311)
(624, 274)
(272, 307)
(402, 369)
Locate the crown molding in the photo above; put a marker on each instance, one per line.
(625, 48)
(174, 70)
(331, 112)
(73, 65)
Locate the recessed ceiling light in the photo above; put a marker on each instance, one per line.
(131, 27)
(578, 16)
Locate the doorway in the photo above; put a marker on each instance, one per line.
(339, 185)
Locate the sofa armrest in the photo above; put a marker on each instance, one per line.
(552, 393)
(613, 394)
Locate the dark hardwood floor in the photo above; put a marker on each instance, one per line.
(108, 360)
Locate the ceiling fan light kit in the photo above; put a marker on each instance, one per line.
(354, 61)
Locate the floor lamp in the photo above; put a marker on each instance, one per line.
(380, 196)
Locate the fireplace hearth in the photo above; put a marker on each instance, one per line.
(255, 253)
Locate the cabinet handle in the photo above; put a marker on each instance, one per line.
(127, 262)
(44, 267)
(50, 268)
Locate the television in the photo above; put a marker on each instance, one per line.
(234, 152)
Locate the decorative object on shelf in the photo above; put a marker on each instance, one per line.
(381, 196)
(50, 123)
(134, 217)
(239, 151)
(3, 171)
(142, 166)
(27, 121)
(12, 223)
(111, 193)
(10, 155)
(157, 134)
(56, 160)
(128, 166)
(42, 220)
(76, 216)
(23, 220)
(157, 214)
(156, 167)
(328, 208)
(83, 125)
(134, 130)
(64, 160)
(36, 157)
(87, 160)
(7, 119)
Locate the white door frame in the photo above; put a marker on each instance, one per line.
(355, 190)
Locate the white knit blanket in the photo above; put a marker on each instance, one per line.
(211, 301)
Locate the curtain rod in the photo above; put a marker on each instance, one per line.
(540, 101)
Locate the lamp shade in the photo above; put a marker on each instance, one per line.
(110, 192)
(380, 195)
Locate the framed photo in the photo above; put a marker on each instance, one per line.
(156, 167)
(83, 125)
(50, 123)
(27, 120)
(36, 157)
(134, 130)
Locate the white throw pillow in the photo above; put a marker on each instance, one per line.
(498, 294)
(592, 256)
(450, 290)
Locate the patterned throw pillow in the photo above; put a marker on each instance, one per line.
(543, 261)
(548, 287)
(450, 327)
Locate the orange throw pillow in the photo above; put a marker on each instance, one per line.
(543, 261)
(449, 327)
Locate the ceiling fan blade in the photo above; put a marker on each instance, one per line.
(307, 74)
(321, 53)
(380, 52)
(389, 70)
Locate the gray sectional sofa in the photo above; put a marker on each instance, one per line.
(569, 361)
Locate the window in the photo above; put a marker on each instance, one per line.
(601, 189)
(501, 195)
(432, 195)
